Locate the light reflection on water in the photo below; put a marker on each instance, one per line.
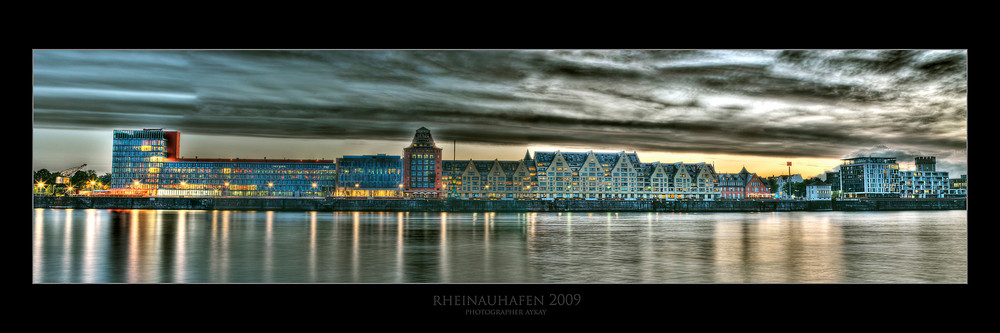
(176, 246)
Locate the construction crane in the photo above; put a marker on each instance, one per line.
(65, 175)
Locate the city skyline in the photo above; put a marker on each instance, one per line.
(749, 108)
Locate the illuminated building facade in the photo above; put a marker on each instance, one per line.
(869, 177)
(369, 176)
(581, 176)
(247, 178)
(490, 179)
(926, 182)
(137, 157)
(959, 183)
(422, 167)
(148, 160)
(958, 187)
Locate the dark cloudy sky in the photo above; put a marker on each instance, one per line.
(757, 108)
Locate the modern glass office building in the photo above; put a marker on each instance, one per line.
(247, 178)
(148, 160)
(137, 157)
(870, 177)
(370, 176)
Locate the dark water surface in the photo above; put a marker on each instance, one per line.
(172, 246)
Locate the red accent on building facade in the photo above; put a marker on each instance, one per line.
(173, 139)
(757, 188)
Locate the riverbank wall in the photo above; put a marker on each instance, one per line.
(330, 204)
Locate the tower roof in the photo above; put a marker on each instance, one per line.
(422, 139)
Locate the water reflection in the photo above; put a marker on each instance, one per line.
(147, 246)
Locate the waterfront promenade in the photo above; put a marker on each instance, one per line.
(431, 205)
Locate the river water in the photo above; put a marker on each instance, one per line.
(175, 246)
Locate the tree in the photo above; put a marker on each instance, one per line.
(773, 183)
(81, 178)
(45, 176)
(799, 189)
(105, 179)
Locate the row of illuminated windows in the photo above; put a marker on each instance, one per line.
(369, 185)
(422, 179)
(135, 167)
(370, 171)
(239, 177)
(149, 149)
(249, 167)
(584, 188)
(227, 171)
(139, 141)
(155, 134)
(231, 187)
(136, 157)
(591, 195)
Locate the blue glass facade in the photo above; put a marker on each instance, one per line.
(136, 158)
(145, 159)
(251, 179)
(369, 176)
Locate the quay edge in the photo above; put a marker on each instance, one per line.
(432, 205)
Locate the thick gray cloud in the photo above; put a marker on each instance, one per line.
(809, 103)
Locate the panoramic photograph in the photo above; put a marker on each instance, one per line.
(541, 167)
